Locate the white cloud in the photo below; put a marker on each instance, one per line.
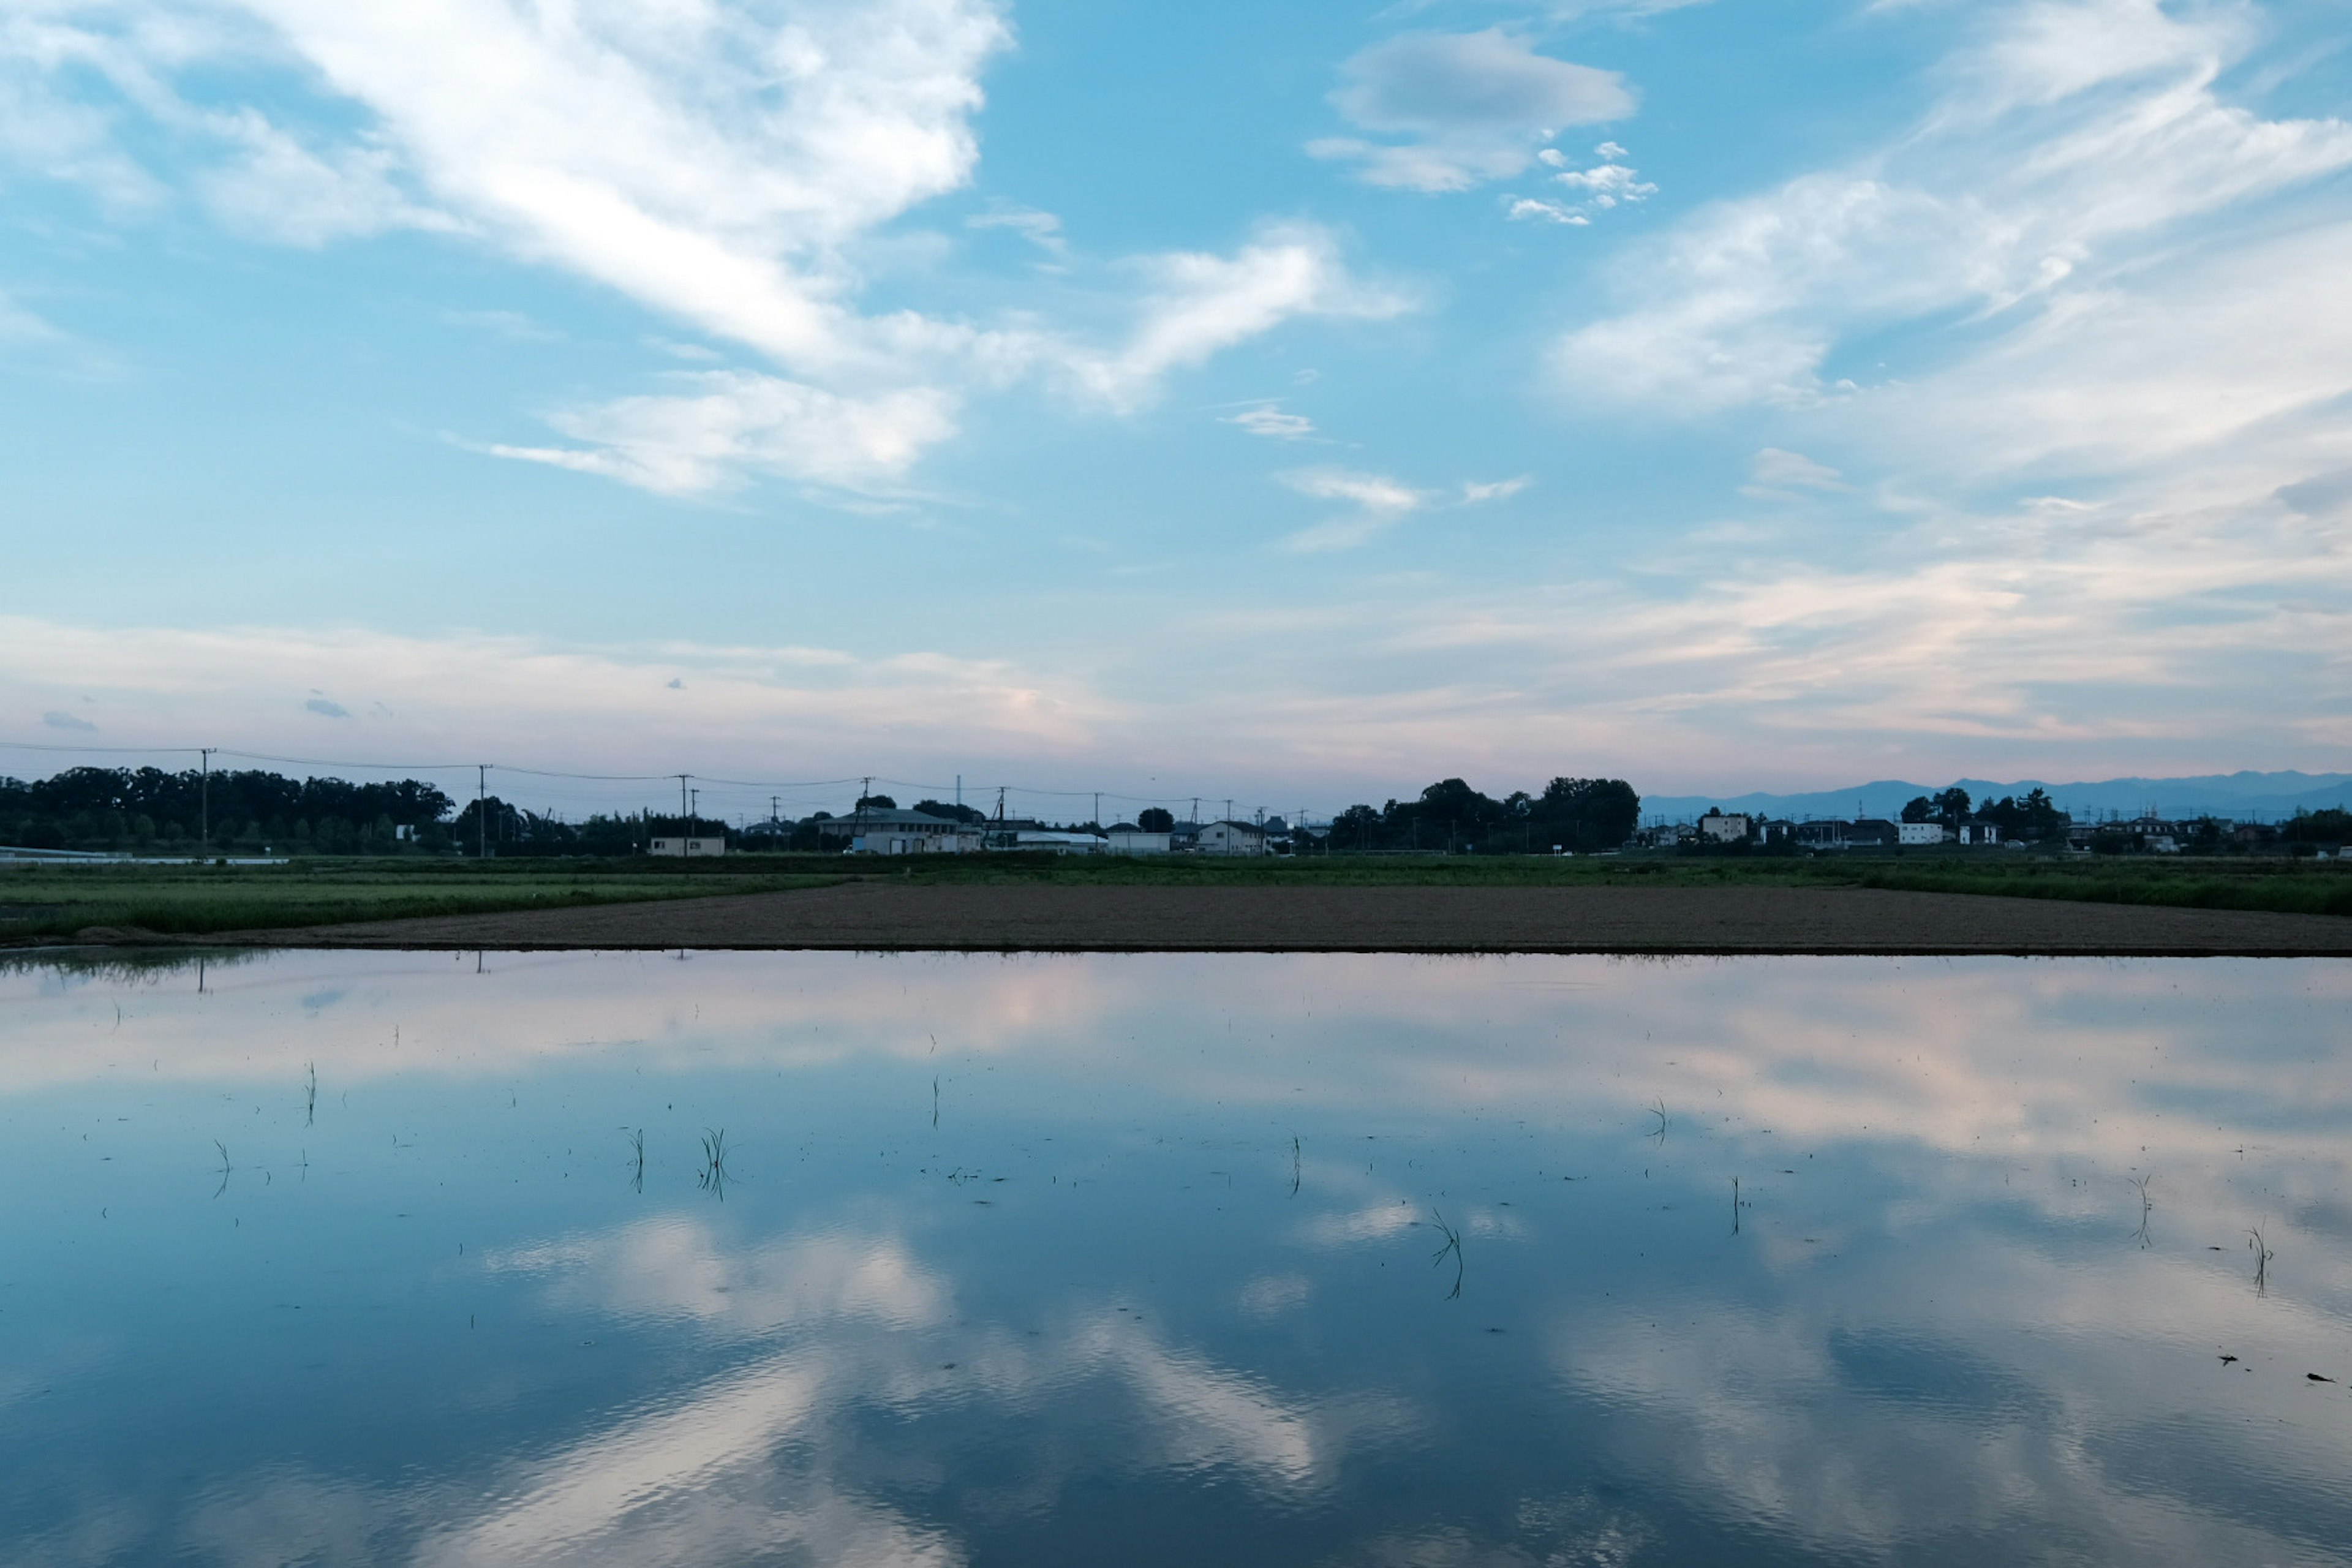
(1380, 502)
(326, 708)
(1475, 107)
(2034, 183)
(1197, 304)
(1042, 229)
(728, 423)
(58, 719)
(725, 165)
(502, 695)
(1373, 492)
(1273, 422)
(273, 187)
(1773, 473)
(1606, 184)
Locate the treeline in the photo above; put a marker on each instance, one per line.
(233, 810)
(1578, 814)
(2032, 816)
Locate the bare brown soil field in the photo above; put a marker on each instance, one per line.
(880, 916)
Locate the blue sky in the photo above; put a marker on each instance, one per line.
(1297, 402)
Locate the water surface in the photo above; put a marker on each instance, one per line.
(352, 1257)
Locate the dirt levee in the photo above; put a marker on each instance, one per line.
(880, 915)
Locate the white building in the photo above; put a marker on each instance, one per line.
(879, 831)
(1061, 843)
(1725, 828)
(1231, 839)
(688, 846)
(1126, 840)
(1912, 834)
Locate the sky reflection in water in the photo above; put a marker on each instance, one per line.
(1144, 1259)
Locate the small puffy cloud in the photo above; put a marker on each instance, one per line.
(327, 709)
(1609, 183)
(676, 684)
(1473, 107)
(1473, 492)
(58, 719)
(1775, 474)
(727, 423)
(1273, 422)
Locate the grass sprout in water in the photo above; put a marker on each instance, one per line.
(638, 1149)
(2147, 1208)
(714, 1163)
(1453, 1245)
(2262, 1256)
(1659, 1132)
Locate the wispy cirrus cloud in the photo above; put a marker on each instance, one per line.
(2073, 136)
(1378, 501)
(725, 165)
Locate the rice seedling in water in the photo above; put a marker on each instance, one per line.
(1454, 1246)
(1659, 1132)
(637, 1147)
(226, 1167)
(2262, 1256)
(311, 1101)
(2147, 1208)
(714, 1163)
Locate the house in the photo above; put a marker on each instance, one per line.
(1979, 833)
(1912, 834)
(1230, 838)
(687, 846)
(1719, 828)
(1871, 833)
(1127, 839)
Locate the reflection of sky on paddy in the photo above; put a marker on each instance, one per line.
(1166, 1280)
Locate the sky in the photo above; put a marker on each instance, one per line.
(1291, 402)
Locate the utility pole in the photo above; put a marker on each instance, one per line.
(774, 801)
(481, 811)
(1098, 808)
(865, 791)
(958, 789)
(683, 810)
(204, 828)
(693, 811)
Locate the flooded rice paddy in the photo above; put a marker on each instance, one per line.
(826, 1259)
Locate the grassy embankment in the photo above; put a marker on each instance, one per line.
(49, 902)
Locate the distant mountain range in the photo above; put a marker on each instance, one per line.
(2246, 795)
